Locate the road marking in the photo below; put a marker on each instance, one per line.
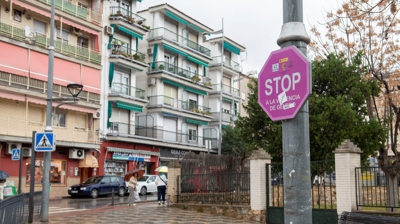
(54, 210)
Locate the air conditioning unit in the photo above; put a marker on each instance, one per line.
(109, 30)
(26, 152)
(76, 154)
(76, 31)
(151, 81)
(97, 114)
(13, 145)
(149, 51)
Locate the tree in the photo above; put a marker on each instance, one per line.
(338, 111)
(232, 144)
(371, 27)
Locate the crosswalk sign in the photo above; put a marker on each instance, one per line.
(15, 154)
(44, 142)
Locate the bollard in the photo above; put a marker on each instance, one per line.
(112, 197)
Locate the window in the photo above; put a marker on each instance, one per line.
(36, 115)
(192, 134)
(57, 171)
(82, 5)
(170, 94)
(106, 180)
(39, 27)
(17, 15)
(121, 83)
(63, 36)
(192, 105)
(80, 122)
(59, 119)
(83, 42)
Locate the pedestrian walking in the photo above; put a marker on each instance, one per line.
(132, 189)
(161, 182)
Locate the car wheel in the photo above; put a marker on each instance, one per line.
(143, 191)
(94, 193)
(121, 191)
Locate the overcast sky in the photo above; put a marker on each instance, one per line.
(255, 24)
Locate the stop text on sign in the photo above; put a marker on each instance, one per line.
(284, 83)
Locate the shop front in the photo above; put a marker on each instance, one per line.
(118, 161)
(168, 154)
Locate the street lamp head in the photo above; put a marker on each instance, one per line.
(75, 86)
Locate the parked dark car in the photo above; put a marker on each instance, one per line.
(99, 185)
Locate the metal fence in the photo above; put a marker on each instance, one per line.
(16, 210)
(373, 190)
(232, 188)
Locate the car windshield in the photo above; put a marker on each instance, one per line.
(92, 180)
(144, 178)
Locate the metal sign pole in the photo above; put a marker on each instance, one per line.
(296, 139)
(32, 179)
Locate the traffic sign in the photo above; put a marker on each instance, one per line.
(284, 83)
(15, 154)
(44, 142)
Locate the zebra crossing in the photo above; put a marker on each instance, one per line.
(56, 210)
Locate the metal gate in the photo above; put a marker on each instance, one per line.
(323, 193)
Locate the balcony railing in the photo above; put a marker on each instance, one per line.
(227, 89)
(168, 34)
(74, 9)
(225, 116)
(17, 32)
(228, 62)
(130, 130)
(127, 53)
(120, 13)
(174, 102)
(163, 66)
(24, 128)
(128, 90)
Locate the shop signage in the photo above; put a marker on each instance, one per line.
(131, 156)
(172, 153)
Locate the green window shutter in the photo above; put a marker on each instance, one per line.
(223, 126)
(177, 18)
(109, 42)
(204, 71)
(172, 83)
(193, 121)
(235, 108)
(130, 32)
(227, 99)
(111, 74)
(196, 28)
(200, 92)
(231, 48)
(175, 50)
(197, 61)
(109, 114)
(127, 106)
(154, 55)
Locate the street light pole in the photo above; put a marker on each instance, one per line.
(220, 89)
(44, 212)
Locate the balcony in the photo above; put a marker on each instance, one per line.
(120, 88)
(228, 63)
(17, 32)
(126, 53)
(120, 13)
(24, 128)
(129, 130)
(226, 117)
(227, 90)
(163, 66)
(75, 10)
(180, 104)
(180, 40)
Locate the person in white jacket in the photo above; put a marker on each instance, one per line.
(161, 183)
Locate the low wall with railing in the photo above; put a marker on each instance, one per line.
(15, 209)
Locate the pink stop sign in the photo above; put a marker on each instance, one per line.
(284, 83)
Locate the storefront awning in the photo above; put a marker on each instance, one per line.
(128, 106)
(89, 162)
(136, 151)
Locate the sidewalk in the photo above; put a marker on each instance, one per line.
(143, 212)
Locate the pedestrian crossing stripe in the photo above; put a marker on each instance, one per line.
(44, 141)
(15, 154)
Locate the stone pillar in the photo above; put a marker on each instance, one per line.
(347, 158)
(258, 182)
(174, 170)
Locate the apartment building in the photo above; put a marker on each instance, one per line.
(24, 43)
(152, 87)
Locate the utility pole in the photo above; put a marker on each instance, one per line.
(44, 212)
(295, 132)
